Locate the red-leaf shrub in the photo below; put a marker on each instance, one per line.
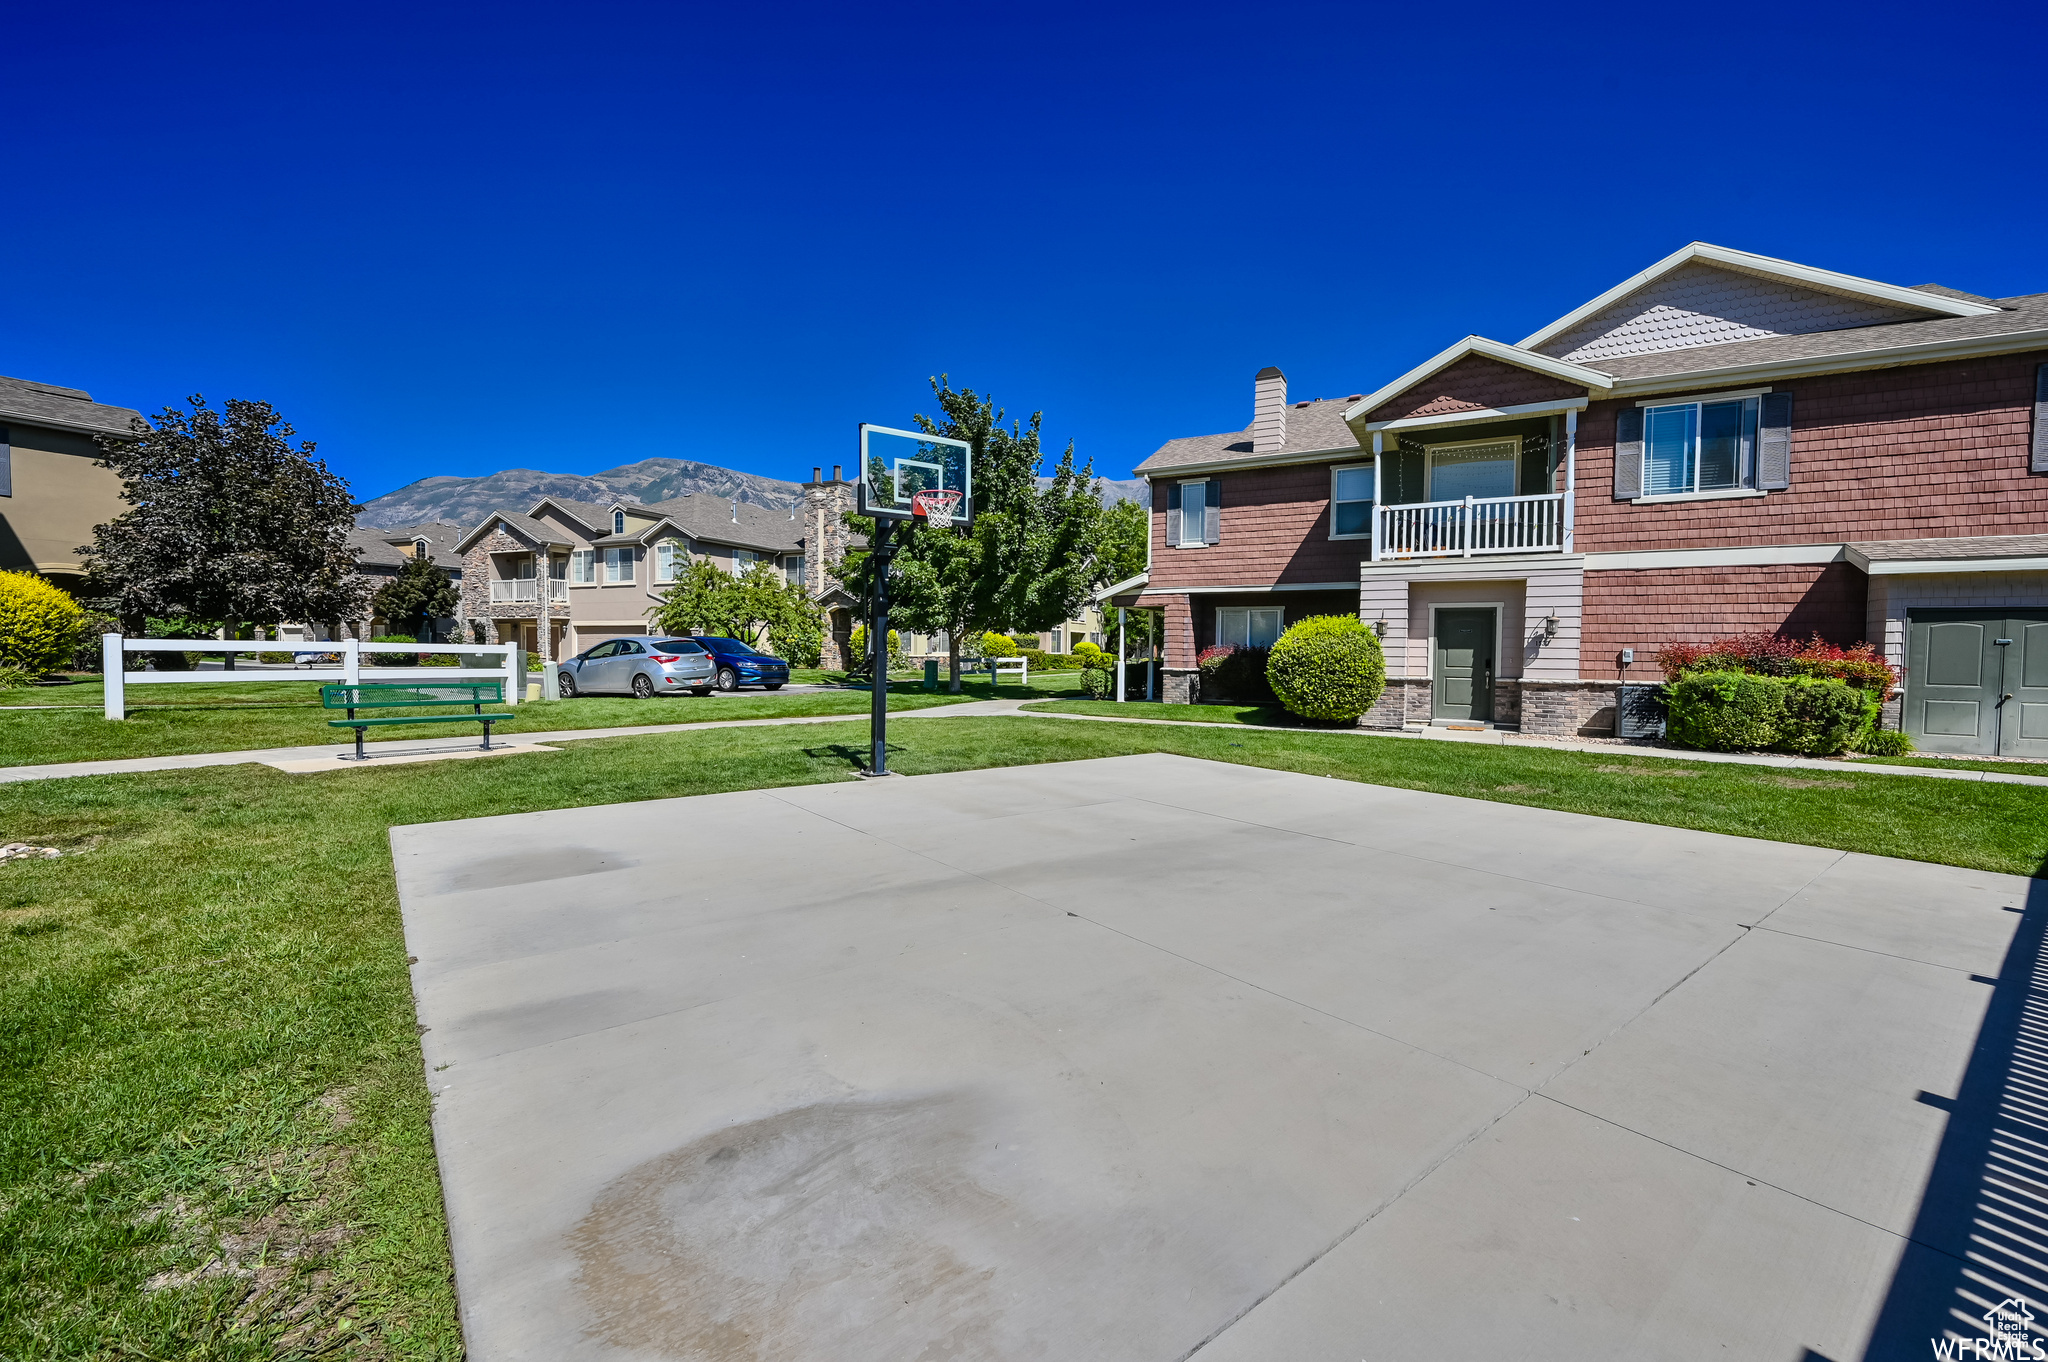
(1761, 654)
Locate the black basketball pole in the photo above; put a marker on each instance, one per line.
(878, 642)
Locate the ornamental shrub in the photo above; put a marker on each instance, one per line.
(1774, 655)
(1823, 717)
(1724, 711)
(1328, 668)
(39, 624)
(1885, 742)
(859, 644)
(1237, 674)
(405, 659)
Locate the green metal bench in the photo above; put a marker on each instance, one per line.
(426, 694)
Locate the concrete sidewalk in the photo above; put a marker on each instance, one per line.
(1157, 1058)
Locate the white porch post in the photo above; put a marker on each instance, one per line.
(1378, 492)
(1571, 473)
(113, 676)
(352, 661)
(1120, 654)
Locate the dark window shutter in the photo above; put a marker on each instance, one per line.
(1774, 443)
(7, 464)
(1172, 515)
(2040, 462)
(1212, 523)
(1628, 453)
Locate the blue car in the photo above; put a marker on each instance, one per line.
(739, 665)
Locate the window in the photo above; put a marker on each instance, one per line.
(618, 565)
(582, 567)
(1257, 627)
(1699, 447)
(600, 651)
(618, 522)
(742, 559)
(793, 568)
(680, 645)
(1473, 468)
(1193, 512)
(420, 549)
(626, 647)
(1351, 502)
(668, 559)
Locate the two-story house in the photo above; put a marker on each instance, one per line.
(606, 566)
(1722, 443)
(53, 490)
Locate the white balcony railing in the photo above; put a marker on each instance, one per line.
(513, 590)
(1476, 525)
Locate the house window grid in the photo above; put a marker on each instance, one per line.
(583, 567)
(1254, 626)
(793, 568)
(618, 522)
(1691, 422)
(1194, 511)
(618, 566)
(669, 556)
(1349, 511)
(1460, 451)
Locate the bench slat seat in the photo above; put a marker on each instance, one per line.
(472, 695)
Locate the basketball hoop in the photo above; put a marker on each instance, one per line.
(935, 503)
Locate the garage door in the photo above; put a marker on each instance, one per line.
(1977, 681)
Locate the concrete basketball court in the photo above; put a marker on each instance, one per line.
(1151, 1058)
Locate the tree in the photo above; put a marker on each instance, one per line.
(1126, 548)
(749, 606)
(229, 523)
(420, 594)
(1028, 561)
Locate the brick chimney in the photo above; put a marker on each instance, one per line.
(1269, 411)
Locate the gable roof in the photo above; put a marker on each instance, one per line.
(441, 538)
(1314, 426)
(525, 525)
(374, 550)
(45, 404)
(1945, 303)
(1491, 349)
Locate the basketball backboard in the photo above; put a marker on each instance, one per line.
(901, 469)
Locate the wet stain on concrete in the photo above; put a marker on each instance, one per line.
(532, 867)
(846, 1230)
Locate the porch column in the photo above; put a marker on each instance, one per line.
(1571, 473)
(1378, 490)
(1120, 645)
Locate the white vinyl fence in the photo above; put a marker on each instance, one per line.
(511, 669)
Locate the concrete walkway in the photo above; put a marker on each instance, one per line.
(1157, 1058)
(300, 760)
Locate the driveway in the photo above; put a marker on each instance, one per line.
(1151, 1058)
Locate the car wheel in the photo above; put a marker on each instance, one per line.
(565, 686)
(643, 688)
(728, 679)
(771, 685)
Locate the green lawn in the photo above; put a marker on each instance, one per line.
(238, 717)
(211, 1055)
(2009, 768)
(1271, 716)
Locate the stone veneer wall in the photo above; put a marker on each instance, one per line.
(826, 502)
(478, 613)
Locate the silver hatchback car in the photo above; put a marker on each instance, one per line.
(643, 665)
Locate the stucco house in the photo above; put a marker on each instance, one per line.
(52, 489)
(606, 565)
(1722, 443)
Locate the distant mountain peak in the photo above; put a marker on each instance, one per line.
(465, 501)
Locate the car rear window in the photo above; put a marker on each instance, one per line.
(679, 645)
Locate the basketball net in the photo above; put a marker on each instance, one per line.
(935, 503)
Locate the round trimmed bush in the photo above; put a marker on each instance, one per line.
(998, 645)
(1724, 711)
(1824, 717)
(39, 624)
(1328, 668)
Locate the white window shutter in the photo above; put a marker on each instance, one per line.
(1628, 453)
(1774, 443)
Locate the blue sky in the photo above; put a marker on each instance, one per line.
(453, 240)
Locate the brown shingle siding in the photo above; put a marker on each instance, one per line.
(1926, 451)
(1473, 383)
(1647, 609)
(1274, 530)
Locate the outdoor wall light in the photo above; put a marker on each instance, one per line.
(1549, 628)
(1379, 628)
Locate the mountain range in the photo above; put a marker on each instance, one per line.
(464, 501)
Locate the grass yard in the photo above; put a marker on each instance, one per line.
(213, 1123)
(2009, 768)
(1267, 716)
(172, 720)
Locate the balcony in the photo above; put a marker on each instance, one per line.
(515, 590)
(1473, 527)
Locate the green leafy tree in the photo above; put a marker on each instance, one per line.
(756, 606)
(420, 594)
(1028, 561)
(228, 522)
(1126, 544)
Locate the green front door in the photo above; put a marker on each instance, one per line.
(1977, 681)
(1464, 665)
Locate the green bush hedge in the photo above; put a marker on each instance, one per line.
(1328, 668)
(40, 625)
(1739, 712)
